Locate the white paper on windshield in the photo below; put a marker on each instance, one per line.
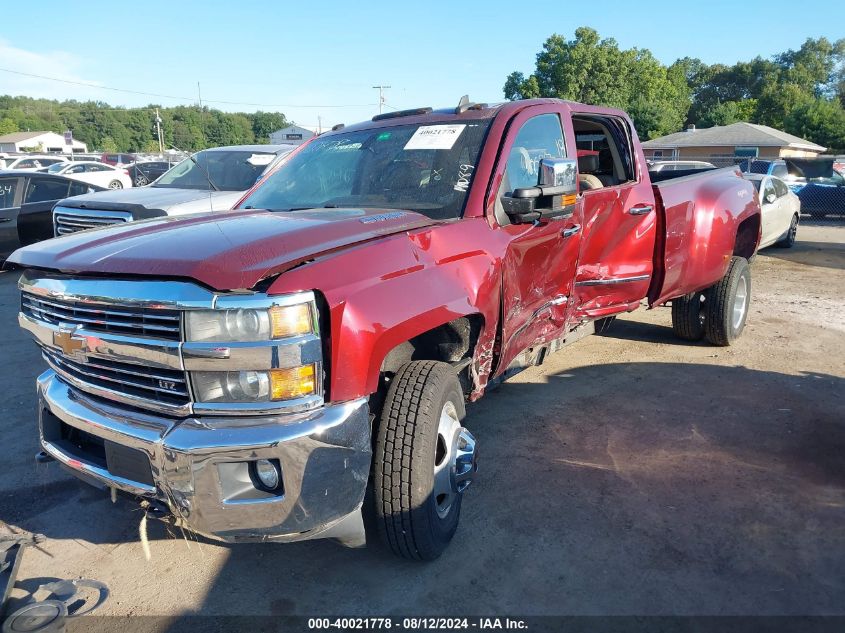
(260, 159)
(435, 137)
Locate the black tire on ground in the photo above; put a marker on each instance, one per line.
(789, 240)
(404, 460)
(726, 304)
(688, 316)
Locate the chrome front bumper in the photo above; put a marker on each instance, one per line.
(324, 455)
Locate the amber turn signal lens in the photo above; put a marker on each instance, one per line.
(290, 320)
(296, 382)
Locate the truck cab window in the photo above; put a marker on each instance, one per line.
(540, 137)
(605, 158)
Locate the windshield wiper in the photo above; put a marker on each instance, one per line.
(308, 208)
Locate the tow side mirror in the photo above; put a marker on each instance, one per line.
(770, 198)
(553, 197)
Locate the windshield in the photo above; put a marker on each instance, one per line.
(229, 170)
(427, 169)
(55, 168)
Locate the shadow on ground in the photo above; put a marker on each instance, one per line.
(642, 488)
(821, 254)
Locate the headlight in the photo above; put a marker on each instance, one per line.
(247, 324)
(255, 386)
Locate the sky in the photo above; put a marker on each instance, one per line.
(317, 61)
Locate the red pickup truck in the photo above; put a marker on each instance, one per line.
(248, 375)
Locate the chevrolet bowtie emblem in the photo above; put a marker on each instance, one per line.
(69, 344)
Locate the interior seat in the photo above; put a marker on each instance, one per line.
(586, 178)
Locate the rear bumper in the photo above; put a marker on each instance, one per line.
(197, 466)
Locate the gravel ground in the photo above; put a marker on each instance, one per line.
(630, 474)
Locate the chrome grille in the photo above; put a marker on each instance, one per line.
(166, 386)
(67, 220)
(162, 324)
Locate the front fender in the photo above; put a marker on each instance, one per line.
(383, 293)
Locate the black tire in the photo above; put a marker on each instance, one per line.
(141, 180)
(688, 316)
(404, 461)
(791, 234)
(722, 324)
(115, 184)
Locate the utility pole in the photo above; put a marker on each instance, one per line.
(319, 125)
(158, 133)
(381, 90)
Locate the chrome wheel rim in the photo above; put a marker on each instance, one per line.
(454, 460)
(115, 185)
(740, 302)
(793, 229)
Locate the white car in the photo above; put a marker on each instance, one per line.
(33, 162)
(94, 173)
(781, 210)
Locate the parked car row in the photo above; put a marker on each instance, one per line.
(211, 180)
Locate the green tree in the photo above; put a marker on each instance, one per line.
(264, 123)
(594, 70)
(107, 144)
(7, 126)
(822, 120)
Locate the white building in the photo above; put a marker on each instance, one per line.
(291, 135)
(40, 142)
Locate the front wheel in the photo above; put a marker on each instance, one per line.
(726, 304)
(424, 460)
(115, 184)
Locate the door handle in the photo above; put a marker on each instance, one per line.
(642, 209)
(572, 230)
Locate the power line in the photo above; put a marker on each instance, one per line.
(189, 99)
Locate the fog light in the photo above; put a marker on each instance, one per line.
(268, 473)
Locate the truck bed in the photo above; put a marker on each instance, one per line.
(689, 254)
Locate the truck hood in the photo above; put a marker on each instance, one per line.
(227, 251)
(148, 197)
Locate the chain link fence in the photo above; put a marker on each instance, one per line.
(822, 199)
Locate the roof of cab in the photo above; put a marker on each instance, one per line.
(450, 115)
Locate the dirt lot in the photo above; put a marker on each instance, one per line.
(631, 474)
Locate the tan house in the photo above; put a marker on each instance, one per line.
(726, 143)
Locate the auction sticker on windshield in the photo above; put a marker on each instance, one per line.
(260, 159)
(435, 137)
